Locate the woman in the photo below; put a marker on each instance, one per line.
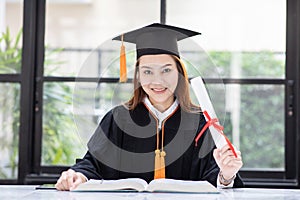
(152, 135)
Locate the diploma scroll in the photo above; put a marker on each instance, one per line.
(206, 105)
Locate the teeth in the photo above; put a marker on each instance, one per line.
(158, 90)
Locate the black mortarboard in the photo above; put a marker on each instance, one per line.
(156, 39)
(152, 39)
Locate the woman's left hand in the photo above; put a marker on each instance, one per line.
(229, 165)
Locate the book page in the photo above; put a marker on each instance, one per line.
(171, 185)
(113, 185)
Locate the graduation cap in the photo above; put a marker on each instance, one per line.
(153, 39)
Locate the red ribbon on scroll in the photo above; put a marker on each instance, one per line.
(219, 128)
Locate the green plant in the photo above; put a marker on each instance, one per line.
(11, 54)
(10, 63)
(60, 143)
(57, 145)
(261, 122)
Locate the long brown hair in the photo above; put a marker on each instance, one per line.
(181, 92)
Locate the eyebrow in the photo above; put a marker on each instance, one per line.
(148, 67)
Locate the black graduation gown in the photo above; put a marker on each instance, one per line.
(123, 146)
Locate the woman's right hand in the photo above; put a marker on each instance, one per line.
(69, 180)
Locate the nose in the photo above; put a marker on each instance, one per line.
(157, 79)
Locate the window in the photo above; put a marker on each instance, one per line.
(76, 51)
(253, 45)
(249, 51)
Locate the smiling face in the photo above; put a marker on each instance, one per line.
(158, 76)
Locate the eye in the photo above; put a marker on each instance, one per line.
(166, 70)
(147, 72)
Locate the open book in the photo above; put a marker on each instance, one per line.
(140, 185)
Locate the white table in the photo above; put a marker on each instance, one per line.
(29, 193)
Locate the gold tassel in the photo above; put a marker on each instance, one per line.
(162, 164)
(123, 68)
(157, 164)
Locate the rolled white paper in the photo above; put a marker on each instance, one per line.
(206, 105)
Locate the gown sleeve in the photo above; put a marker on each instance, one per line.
(206, 167)
(210, 172)
(88, 166)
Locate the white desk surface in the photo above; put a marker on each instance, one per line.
(29, 193)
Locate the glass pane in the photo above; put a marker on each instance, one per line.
(256, 124)
(245, 38)
(9, 126)
(263, 64)
(76, 29)
(11, 14)
(61, 143)
(91, 101)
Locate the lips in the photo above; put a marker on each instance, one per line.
(158, 90)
